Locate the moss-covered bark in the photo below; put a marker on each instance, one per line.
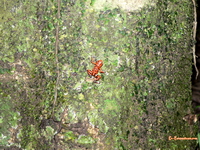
(137, 103)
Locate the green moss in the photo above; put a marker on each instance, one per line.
(85, 140)
(70, 136)
(48, 132)
(8, 119)
(110, 107)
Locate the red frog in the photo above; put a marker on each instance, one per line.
(97, 68)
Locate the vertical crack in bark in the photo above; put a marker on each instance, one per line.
(56, 57)
(57, 72)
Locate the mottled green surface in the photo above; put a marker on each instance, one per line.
(138, 102)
